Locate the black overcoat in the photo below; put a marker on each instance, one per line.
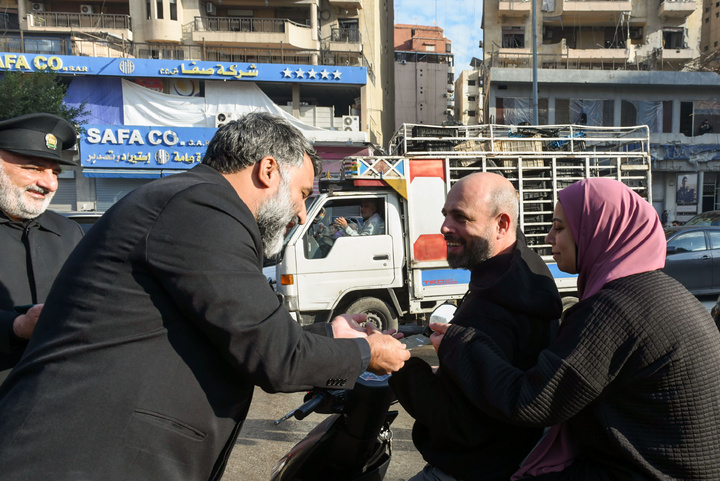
(144, 360)
(31, 254)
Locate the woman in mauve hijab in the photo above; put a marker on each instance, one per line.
(630, 388)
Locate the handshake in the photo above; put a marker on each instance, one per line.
(387, 353)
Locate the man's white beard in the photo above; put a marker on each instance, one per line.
(14, 202)
(273, 216)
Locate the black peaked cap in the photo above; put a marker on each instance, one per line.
(38, 135)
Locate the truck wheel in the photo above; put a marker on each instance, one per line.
(377, 311)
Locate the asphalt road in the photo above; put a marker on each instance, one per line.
(261, 444)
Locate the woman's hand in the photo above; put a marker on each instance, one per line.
(439, 330)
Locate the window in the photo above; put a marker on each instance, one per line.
(689, 242)
(471, 83)
(471, 98)
(714, 239)
(451, 77)
(673, 38)
(173, 9)
(159, 9)
(147, 8)
(513, 37)
(471, 113)
(448, 48)
(363, 217)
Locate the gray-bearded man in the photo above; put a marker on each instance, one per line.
(34, 242)
(145, 357)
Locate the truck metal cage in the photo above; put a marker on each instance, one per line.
(538, 160)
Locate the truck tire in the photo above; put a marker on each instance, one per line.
(377, 311)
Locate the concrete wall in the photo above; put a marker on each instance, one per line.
(421, 93)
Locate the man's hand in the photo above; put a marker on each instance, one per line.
(24, 324)
(347, 326)
(387, 354)
(341, 222)
(439, 330)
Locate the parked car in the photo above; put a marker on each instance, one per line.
(711, 217)
(85, 219)
(693, 257)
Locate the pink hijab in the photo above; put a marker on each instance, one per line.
(616, 231)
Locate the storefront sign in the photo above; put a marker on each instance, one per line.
(139, 147)
(136, 67)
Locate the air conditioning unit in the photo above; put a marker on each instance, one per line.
(38, 7)
(88, 9)
(223, 117)
(351, 123)
(210, 8)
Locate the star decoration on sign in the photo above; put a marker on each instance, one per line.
(287, 72)
(336, 74)
(299, 72)
(312, 73)
(324, 73)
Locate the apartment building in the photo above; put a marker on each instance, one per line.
(160, 76)
(469, 97)
(424, 75)
(613, 63)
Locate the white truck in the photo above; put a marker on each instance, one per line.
(401, 273)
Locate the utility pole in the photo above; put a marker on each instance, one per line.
(534, 62)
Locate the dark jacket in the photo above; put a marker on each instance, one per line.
(512, 298)
(633, 373)
(144, 359)
(31, 255)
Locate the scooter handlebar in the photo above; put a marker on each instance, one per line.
(310, 405)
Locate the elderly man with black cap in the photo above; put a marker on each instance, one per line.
(34, 242)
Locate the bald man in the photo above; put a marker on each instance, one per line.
(512, 297)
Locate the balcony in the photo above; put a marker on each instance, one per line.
(344, 40)
(677, 8)
(514, 8)
(120, 25)
(591, 12)
(682, 54)
(253, 32)
(346, 3)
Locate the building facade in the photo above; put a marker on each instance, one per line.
(613, 63)
(424, 76)
(469, 95)
(159, 77)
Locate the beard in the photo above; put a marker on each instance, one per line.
(474, 252)
(15, 203)
(273, 216)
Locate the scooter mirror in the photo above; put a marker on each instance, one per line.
(443, 313)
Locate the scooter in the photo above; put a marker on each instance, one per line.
(353, 444)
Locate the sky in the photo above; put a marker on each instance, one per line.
(459, 19)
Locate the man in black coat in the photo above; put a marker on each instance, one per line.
(513, 298)
(144, 360)
(34, 242)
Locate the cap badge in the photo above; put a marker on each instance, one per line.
(51, 141)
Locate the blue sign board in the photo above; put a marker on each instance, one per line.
(444, 277)
(137, 67)
(141, 147)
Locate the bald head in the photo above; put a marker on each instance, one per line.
(481, 217)
(490, 192)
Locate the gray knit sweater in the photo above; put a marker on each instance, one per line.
(634, 373)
